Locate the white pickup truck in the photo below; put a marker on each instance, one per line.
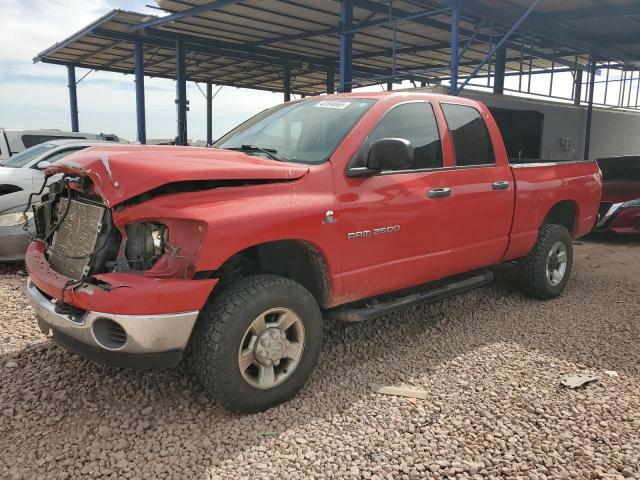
(13, 140)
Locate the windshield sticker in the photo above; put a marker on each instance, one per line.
(332, 104)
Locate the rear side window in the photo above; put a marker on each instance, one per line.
(57, 156)
(31, 140)
(415, 122)
(471, 139)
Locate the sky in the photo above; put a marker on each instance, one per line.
(36, 95)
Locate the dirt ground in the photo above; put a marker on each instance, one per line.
(491, 361)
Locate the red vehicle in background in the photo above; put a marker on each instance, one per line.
(620, 203)
(348, 206)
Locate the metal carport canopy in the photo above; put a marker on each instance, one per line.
(295, 46)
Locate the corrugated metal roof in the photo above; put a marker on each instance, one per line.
(246, 43)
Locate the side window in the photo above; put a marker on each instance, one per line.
(415, 122)
(61, 154)
(30, 140)
(471, 139)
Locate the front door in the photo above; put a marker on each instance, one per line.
(392, 225)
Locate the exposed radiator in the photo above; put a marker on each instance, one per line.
(75, 240)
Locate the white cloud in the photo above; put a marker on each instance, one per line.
(35, 95)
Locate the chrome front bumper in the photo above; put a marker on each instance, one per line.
(145, 334)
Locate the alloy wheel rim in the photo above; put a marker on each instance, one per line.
(557, 263)
(271, 348)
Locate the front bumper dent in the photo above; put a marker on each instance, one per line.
(156, 340)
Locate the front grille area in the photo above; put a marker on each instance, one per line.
(75, 239)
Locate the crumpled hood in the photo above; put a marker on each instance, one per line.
(120, 172)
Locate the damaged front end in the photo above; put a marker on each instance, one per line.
(111, 286)
(78, 230)
(84, 238)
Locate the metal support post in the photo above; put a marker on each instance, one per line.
(346, 46)
(73, 98)
(331, 72)
(138, 54)
(286, 82)
(577, 95)
(181, 87)
(501, 66)
(209, 114)
(455, 18)
(592, 78)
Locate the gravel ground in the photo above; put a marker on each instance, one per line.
(490, 359)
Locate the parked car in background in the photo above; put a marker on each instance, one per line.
(337, 203)
(620, 203)
(20, 176)
(13, 140)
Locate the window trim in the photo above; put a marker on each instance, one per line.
(453, 145)
(355, 171)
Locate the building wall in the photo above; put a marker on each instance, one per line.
(560, 121)
(613, 132)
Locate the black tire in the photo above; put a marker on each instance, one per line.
(220, 330)
(532, 273)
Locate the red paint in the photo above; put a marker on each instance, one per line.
(625, 220)
(620, 191)
(475, 227)
(120, 172)
(130, 294)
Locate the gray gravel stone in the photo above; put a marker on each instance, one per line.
(490, 361)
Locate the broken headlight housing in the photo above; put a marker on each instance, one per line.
(15, 219)
(146, 242)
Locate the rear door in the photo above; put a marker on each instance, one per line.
(482, 192)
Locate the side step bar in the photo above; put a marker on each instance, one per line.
(378, 308)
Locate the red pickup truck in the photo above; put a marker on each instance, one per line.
(343, 205)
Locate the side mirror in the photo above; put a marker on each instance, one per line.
(43, 165)
(390, 154)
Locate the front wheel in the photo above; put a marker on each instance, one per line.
(545, 271)
(257, 342)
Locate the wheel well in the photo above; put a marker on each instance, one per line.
(564, 214)
(295, 259)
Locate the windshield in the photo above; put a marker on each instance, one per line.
(305, 132)
(24, 158)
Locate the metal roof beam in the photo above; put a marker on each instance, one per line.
(169, 77)
(544, 29)
(604, 11)
(207, 7)
(281, 56)
(500, 44)
(445, 26)
(104, 49)
(222, 49)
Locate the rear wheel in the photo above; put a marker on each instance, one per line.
(257, 342)
(545, 271)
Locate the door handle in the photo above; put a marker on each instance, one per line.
(501, 185)
(439, 192)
